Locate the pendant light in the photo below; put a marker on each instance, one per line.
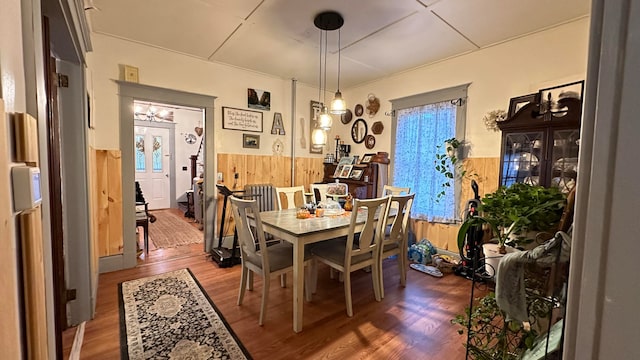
(319, 134)
(338, 105)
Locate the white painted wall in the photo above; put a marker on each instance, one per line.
(12, 90)
(166, 69)
(496, 74)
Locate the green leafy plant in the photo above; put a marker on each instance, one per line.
(515, 210)
(449, 165)
(491, 336)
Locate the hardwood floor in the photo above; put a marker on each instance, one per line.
(409, 323)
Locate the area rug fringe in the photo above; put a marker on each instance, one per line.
(169, 316)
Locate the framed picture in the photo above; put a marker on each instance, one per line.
(518, 102)
(549, 97)
(251, 141)
(366, 158)
(239, 119)
(346, 171)
(258, 99)
(315, 108)
(338, 171)
(356, 174)
(346, 160)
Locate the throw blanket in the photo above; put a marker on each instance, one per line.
(510, 290)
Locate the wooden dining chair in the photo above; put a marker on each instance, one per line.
(396, 238)
(319, 191)
(257, 257)
(395, 190)
(346, 256)
(290, 197)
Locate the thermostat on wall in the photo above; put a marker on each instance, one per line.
(26, 187)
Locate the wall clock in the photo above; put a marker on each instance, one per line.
(277, 147)
(190, 138)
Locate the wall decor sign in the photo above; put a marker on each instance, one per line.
(277, 127)
(239, 119)
(315, 108)
(258, 99)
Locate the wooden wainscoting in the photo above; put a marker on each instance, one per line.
(33, 278)
(265, 169)
(10, 341)
(444, 236)
(107, 189)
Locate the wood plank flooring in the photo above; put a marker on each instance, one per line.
(409, 323)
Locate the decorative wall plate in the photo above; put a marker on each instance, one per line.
(359, 110)
(370, 141)
(346, 117)
(373, 105)
(377, 127)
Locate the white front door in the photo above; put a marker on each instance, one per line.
(152, 155)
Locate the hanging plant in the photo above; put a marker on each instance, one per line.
(492, 118)
(449, 164)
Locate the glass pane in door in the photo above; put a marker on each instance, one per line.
(522, 155)
(156, 155)
(564, 159)
(141, 164)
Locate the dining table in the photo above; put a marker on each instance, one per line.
(285, 225)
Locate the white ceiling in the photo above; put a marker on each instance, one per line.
(278, 37)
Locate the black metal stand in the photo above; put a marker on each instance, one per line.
(222, 256)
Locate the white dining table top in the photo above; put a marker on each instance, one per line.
(286, 221)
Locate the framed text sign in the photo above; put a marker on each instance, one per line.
(239, 119)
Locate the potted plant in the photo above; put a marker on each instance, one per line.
(449, 164)
(514, 210)
(491, 334)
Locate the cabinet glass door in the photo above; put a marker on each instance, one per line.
(564, 159)
(522, 156)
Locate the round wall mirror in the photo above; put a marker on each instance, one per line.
(359, 131)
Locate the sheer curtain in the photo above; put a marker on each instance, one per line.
(419, 132)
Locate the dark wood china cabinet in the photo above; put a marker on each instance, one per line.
(542, 148)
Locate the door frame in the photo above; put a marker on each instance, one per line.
(172, 159)
(127, 93)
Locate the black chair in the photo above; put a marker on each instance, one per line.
(143, 217)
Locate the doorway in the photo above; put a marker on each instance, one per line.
(168, 171)
(129, 92)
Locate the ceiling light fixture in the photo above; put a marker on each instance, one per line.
(338, 105)
(319, 134)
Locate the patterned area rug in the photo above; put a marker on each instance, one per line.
(169, 230)
(169, 316)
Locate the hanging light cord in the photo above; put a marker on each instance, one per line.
(320, 72)
(324, 101)
(339, 60)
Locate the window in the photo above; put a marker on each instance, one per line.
(421, 123)
(141, 165)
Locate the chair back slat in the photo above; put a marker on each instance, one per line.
(289, 197)
(249, 245)
(399, 223)
(373, 229)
